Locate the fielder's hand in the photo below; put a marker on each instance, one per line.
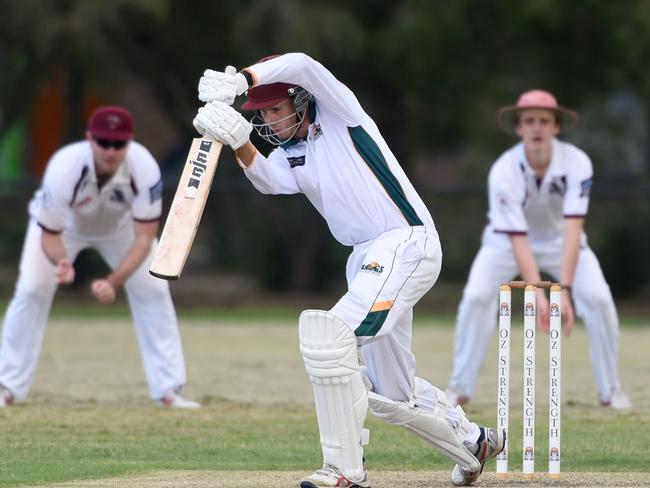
(64, 272)
(223, 87)
(223, 123)
(103, 291)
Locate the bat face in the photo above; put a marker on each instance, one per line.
(186, 209)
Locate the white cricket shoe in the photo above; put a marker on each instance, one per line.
(492, 443)
(456, 397)
(619, 400)
(330, 476)
(6, 397)
(175, 399)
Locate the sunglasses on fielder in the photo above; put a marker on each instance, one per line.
(108, 143)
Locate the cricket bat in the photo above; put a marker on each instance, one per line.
(186, 209)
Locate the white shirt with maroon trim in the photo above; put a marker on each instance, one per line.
(344, 167)
(521, 203)
(70, 200)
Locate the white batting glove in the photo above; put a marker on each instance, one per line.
(223, 123)
(222, 87)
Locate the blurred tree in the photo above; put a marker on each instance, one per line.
(432, 75)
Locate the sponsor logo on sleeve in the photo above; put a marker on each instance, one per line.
(155, 192)
(44, 197)
(585, 187)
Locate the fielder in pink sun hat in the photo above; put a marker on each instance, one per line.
(508, 116)
(539, 191)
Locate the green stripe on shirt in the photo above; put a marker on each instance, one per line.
(373, 157)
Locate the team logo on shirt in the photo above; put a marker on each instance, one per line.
(316, 132)
(557, 185)
(585, 187)
(373, 267)
(118, 196)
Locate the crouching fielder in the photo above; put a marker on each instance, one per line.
(329, 149)
(104, 193)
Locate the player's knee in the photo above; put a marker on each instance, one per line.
(328, 345)
(477, 297)
(38, 289)
(597, 298)
(148, 288)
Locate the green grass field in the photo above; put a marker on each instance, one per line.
(88, 416)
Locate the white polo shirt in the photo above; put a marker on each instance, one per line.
(69, 198)
(344, 167)
(521, 203)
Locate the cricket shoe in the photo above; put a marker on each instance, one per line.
(491, 442)
(619, 400)
(330, 476)
(6, 397)
(175, 399)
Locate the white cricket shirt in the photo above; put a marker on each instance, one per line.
(521, 203)
(344, 167)
(69, 198)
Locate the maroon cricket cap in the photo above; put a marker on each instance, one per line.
(111, 122)
(264, 96)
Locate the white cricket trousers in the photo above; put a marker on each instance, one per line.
(149, 300)
(386, 278)
(477, 314)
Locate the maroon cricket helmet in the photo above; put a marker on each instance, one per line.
(264, 96)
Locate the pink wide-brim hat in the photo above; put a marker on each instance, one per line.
(507, 117)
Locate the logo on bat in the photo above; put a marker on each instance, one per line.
(199, 164)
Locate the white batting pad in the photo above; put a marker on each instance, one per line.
(432, 426)
(329, 348)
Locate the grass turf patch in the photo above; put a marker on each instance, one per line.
(49, 443)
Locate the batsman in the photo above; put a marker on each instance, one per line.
(358, 353)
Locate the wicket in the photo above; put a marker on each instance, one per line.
(503, 387)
